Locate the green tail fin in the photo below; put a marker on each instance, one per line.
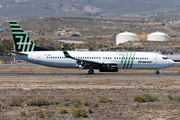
(23, 42)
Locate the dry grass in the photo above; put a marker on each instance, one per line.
(93, 85)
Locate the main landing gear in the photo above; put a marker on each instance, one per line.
(91, 71)
(157, 72)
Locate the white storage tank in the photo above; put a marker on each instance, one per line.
(125, 37)
(158, 36)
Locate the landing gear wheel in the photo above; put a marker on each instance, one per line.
(91, 71)
(157, 72)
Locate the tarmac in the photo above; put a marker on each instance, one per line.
(88, 75)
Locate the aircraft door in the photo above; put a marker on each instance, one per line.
(155, 59)
(38, 58)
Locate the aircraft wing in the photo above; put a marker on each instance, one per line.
(82, 61)
(79, 60)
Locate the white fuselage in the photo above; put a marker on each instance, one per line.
(124, 60)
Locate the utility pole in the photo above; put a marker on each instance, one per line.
(0, 30)
(144, 29)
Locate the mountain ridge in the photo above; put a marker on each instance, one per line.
(10, 9)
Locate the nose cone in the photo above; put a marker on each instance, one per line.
(172, 62)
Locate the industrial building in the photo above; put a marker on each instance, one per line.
(158, 36)
(125, 37)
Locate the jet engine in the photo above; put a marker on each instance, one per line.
(108, 68)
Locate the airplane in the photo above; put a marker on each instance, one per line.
(27, 50)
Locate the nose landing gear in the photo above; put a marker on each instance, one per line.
(91, 71)
(157, 72)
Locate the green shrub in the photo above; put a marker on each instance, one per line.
(75, 35)
(48, 113)
(23, 113)
(57, 102)
(145, 98)
(42, 115)
(22, 105)
(173, 36)
(63, 110)
(66, 103)
(103, 99)
(113, 100)
(86, 102)
(170, 97)
(62, 115)
(177, 98)
(38, 102)
(38, 112)
(76, 104)
(51, 102)
(14, 101)
(75, 99)
(79, 113)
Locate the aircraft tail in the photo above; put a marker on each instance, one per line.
(22, 41)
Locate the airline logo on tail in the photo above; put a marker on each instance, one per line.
(23, 42)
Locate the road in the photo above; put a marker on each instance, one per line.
(88, 75)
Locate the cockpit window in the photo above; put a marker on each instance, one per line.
(165, 58)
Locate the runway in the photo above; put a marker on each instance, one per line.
(87, 75)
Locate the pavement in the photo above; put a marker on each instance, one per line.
(88, 75)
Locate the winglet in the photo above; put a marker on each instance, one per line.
(66, 54)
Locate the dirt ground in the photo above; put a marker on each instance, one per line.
(119, 107)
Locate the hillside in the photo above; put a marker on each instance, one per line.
(94, 26)
(11, 9)
(97, 32)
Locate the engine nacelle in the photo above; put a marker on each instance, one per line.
(108, 68)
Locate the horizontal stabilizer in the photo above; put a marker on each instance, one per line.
(12, 51)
